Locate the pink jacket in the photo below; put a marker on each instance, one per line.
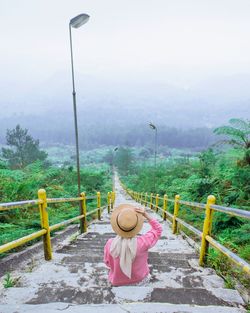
(140, 264)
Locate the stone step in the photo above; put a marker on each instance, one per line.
(108, 294)
(116, 308)
(80, 259)
(163, 258)
(93, 234)
(96, 257)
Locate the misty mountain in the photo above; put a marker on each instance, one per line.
(111, 107)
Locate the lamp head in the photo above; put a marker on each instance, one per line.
(151, 125)
(79, 20)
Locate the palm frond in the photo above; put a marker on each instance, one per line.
(241, 124)
(231, 132)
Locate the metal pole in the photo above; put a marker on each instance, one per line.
(155, 160)
(76, 132)
(75, 116)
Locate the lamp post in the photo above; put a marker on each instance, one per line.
(113, 170)
(152, 126)
(76, 22)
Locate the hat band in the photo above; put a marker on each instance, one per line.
(127, 231)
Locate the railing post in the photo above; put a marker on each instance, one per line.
(45, 224)
(108, 201)
(151, 201)
(141, 201)
(156, 202)
(98, 196)
(176, 210)
(206, 229)
(165, 207)
(112, 199)
(84, 212)
(145, 199)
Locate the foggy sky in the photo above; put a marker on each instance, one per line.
(178, 42)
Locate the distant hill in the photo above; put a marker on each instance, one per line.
(111, 108)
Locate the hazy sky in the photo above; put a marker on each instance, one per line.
(177, 41)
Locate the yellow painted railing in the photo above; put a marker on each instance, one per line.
(42, 203)
(152, 201)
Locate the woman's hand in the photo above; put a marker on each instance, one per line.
(140, 210)
(143, 212)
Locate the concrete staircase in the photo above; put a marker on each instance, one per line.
(76, 279)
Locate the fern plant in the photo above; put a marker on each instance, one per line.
(237, 134)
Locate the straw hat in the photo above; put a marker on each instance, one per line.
(125, 221)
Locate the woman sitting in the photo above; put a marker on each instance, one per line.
(126, 255)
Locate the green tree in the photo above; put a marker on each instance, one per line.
(109, 157)
(23, 148)
(237, 135)
(124, 159)
(207, 161)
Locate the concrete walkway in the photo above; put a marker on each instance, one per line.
(76, 279)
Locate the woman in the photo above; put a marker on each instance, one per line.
(127, 255)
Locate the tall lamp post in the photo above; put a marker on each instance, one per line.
(76, 22)
(152, 126)
(113, 170)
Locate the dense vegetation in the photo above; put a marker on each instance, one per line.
(59, 182)
(24, 169)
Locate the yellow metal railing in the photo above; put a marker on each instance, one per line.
(42, 203)
(205, 235)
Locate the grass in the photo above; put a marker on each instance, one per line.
(228, 271)
(8, 281)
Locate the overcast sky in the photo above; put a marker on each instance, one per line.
(179, 42)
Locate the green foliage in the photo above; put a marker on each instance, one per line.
(226, 269)
(3, 164)
(124, 159)
(23, 184)
(237, 135)
(223, 221)
(8, 281)
(217, 173)
(23, 148)
(109, 157)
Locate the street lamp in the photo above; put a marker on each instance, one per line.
(76, 22)
(152, 126)
(113, 156)
(113, 170)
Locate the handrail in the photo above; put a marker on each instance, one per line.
(26, 203)
(18, 204)
(231, 211)
(204, 235)
(42, 202)
(193, 204)
(58, 200)
(234, 257)
(15, 243)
